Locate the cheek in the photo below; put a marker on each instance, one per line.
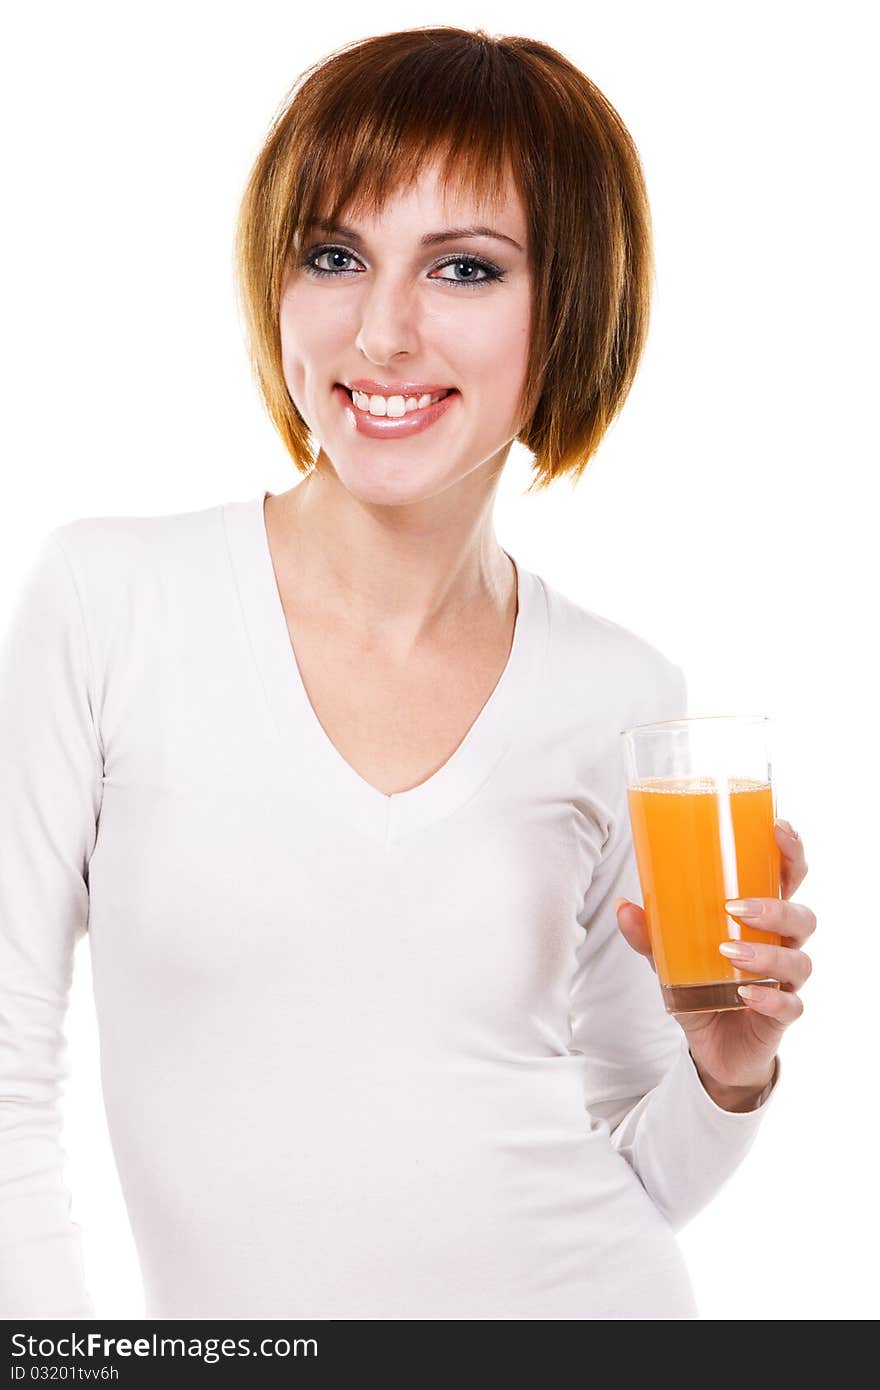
(289, 324)
(495, 347)
(306, 348)
(495, 367)
(514, 347)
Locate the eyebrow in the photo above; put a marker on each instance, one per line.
(429, 238)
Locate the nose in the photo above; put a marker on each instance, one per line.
(388, 320)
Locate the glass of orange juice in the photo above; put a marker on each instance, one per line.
(702, 807)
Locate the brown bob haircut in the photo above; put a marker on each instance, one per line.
(358, 126)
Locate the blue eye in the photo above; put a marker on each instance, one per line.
(316, 255)
(470, 263)
(489, 272)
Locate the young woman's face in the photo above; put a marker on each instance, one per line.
(402, 312)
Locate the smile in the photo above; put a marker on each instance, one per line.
(394, 406)
(401, 416)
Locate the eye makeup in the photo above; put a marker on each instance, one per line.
(490, 273)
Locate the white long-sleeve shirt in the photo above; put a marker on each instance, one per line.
(362, 1056)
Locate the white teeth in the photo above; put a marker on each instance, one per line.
(393, 405)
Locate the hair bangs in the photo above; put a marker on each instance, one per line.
(390, 127)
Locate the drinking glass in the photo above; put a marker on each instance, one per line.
(702, 806)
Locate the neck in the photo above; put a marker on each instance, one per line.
(406, 574)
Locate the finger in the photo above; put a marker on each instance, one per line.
(792, 968)
(794, 921)
(783, 1006)
(633, 927)
(793, 867)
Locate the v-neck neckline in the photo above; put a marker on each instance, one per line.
(310, 750)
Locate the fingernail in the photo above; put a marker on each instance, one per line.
(741, 949)
(745, 907)
(786, 828)
(618, 902)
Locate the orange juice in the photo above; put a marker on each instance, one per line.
(699, 842)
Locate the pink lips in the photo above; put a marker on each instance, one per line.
(391, 426)
(396, 388)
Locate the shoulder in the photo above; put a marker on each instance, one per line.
(114, 543)
(593, 656)
(130, 568)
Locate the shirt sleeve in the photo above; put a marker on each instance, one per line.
(51, 769)
(641, 1082)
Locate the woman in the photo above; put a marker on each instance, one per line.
(335, 782)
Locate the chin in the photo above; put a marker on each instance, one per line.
(384, 482)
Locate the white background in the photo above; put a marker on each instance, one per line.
(729, 517)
